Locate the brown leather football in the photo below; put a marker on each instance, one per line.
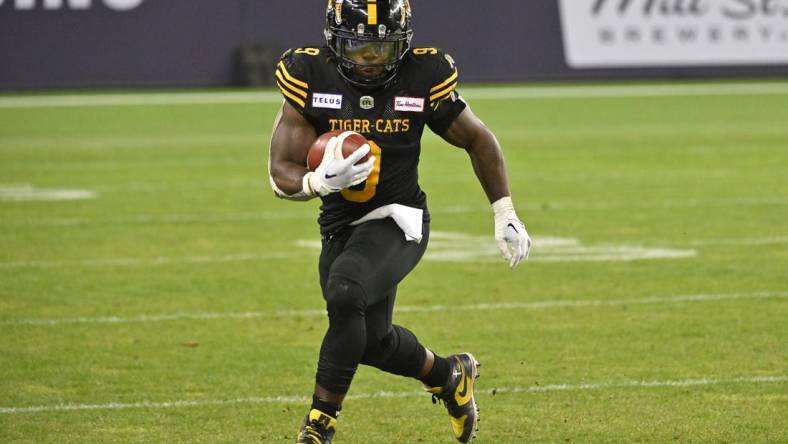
(351, 143)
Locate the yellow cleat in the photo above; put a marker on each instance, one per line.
(317, 428)
(457, 396)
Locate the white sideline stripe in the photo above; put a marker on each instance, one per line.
(591, 92)
(536, 305)
(142, 99)
(469, 92)
(383, 394)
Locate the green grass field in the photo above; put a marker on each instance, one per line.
(152, 289)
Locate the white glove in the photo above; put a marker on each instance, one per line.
(510, 233)
(335, 174)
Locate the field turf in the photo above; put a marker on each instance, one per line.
(152, 289)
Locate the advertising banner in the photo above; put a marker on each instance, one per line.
(674, 33)
(51, 44)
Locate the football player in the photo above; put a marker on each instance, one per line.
(373, 219)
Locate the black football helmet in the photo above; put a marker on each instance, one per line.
(369, 38)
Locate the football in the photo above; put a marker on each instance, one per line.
(352, 141)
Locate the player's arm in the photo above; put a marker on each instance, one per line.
(468, 132)
(292, 136)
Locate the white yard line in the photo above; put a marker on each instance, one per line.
(487, 254)
(169, 218)
(511, 305)
(91, 142)
(664, 203)
(29, 193)
(143, 262)
(279, 215)
(150, 405)
(470, 92)
(736, 241)
(467, 249)
(641, 384)
(462, 247)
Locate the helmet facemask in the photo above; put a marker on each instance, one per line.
(368, 55)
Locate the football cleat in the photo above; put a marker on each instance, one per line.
(318, 428)
(457, 396)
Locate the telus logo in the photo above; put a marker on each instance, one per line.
(117, 5)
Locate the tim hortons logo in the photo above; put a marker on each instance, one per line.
(409, 104)
(117, 5)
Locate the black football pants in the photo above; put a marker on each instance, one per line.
(360, 268)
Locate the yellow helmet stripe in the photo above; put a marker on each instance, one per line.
(372, 12)
(442, 94)
(291, 78)
(289, 86)
(451, 78)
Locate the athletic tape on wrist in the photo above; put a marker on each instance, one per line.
(306, 184)
(504, 207)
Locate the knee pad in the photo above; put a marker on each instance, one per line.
(344, 297)
(399, 353)
(378, 352)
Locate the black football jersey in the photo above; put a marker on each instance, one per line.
(391, 118)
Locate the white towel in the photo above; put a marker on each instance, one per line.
(408, 219)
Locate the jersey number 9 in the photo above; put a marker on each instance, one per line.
(371, 184)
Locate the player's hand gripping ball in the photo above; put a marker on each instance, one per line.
(337, 160)
(351, 141)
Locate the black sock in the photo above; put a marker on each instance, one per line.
(325, 407)
(439, 374)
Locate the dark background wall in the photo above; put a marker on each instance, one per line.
(166, 43)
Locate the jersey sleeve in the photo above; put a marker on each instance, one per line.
(444, 100)
(292, 77)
